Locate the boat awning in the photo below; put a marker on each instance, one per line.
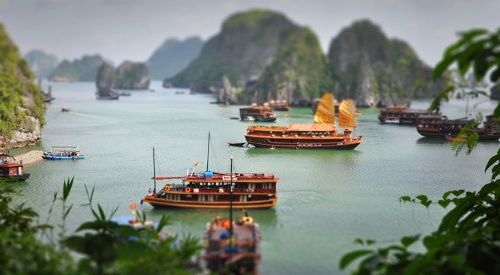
(315, 127)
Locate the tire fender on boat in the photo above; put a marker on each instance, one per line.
(167, 188)
(188, 189)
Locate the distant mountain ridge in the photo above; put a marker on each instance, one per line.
(82, 69)
(41, 63)
(173, 56)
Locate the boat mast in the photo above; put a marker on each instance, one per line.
(208, 149)
(231, 203)
(154, 170)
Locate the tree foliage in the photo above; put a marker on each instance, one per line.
(104, 246)
(467, 240)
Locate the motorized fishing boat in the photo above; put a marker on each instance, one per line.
(257, 113)
(404, 115)
(63, 153)
(279, 105)
(430, 126)
(211, 190)
(322, 134)
(237, 144)
(12, 170)
(232, 247)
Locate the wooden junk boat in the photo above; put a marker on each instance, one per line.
(257, 113)
(320, 135)
(232, 247)
(211, 190)
(12, 170)
(404, 115)
(442, 127)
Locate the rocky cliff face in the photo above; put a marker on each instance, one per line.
(84, 69)
(132, 76)
(173, 56)
(21, 101)
(129, 76)
(371, 68)
(263, 55)
(41, 63)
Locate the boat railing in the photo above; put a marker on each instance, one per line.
(267, 128)
(218, 189)
(226, 177)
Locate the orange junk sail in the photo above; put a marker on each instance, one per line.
(325, 112)
(347, 114)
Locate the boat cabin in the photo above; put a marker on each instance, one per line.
(10, 168)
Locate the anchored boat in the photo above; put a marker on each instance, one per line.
(320, 135)
(212, 190)
(404, 115)
(232, 247)
(257, 113)
(12, 170)
(63, 153)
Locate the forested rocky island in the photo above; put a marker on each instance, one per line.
(21, 100)
(83, 69)
(129, 76)
(260, 55)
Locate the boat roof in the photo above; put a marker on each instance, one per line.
(223, 177)
(65, 148)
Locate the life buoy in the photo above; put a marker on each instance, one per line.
(188, 189)
(248, 220)
(167, 188)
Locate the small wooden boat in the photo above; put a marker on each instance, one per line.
(11, 170)
(65, 110)
(232, 247)
(63, 153)
(320, 135)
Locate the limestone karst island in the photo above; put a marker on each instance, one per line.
(249, 137)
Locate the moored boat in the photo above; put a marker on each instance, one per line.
(12, 170)
(63, 153)
(320, 135)
(257, 113)
(431, 126)
(279, 105)
(212, 190)
(403, 115)
(232, 247)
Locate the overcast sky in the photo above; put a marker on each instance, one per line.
(132, 29)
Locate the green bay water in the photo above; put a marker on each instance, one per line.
(326, 198)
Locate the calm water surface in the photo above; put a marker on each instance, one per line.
(326, 198)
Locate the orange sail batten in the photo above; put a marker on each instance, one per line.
(347, 114)
(325, 113)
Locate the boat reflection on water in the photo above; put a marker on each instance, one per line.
(428, 140)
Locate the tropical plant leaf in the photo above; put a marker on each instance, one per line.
(352, 256)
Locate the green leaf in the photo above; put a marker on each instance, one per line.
(405, 199)
(352, 256)
(444, 203)
(409, 240)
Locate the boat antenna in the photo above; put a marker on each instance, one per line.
(154, 171)
(208, 149)
(231, 203)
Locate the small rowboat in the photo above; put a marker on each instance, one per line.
(237, 144)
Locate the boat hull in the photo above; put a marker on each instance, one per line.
(15, 178)
(52, 157)
(303, 144)
(165, 203)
